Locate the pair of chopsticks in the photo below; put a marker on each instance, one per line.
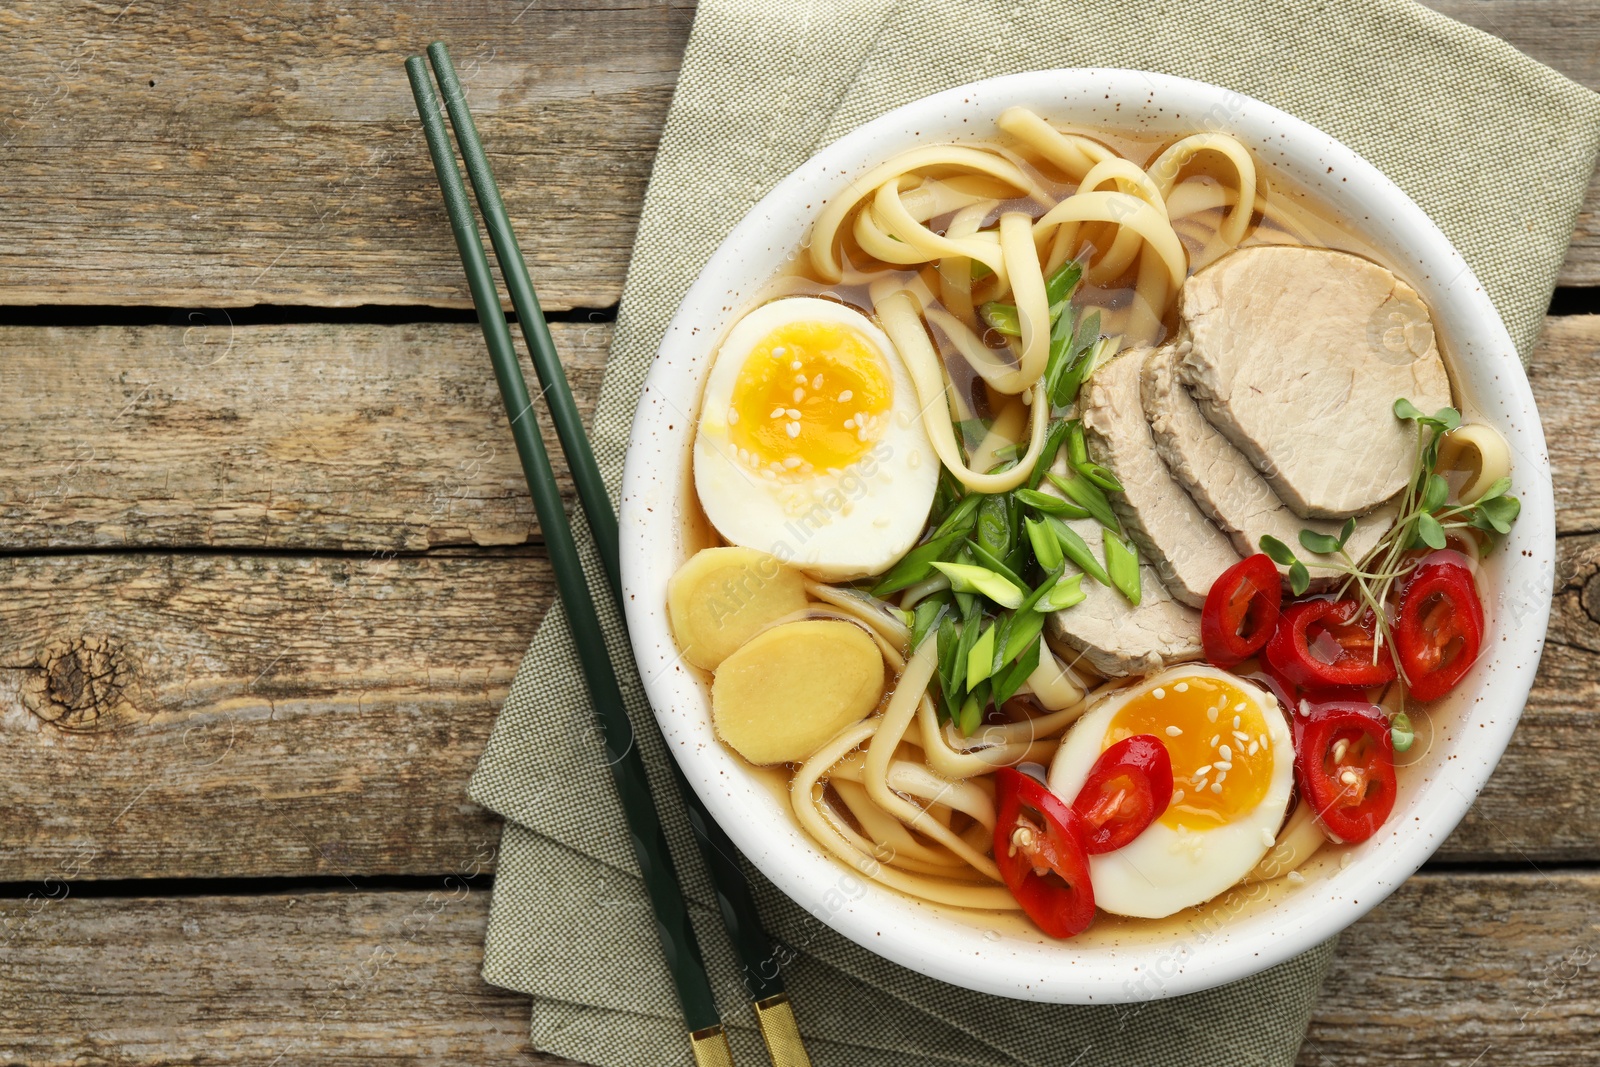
(774, 1014)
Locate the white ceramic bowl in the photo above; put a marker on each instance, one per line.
(1115, 961)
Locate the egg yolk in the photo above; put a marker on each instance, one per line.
(810, 396)
(1221, 753)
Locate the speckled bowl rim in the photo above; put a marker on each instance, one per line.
(1517, 581)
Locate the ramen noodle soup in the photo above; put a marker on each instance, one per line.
(1094, 527)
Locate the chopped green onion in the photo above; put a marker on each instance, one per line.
(929, 614)
(1122, 564)
(980, 659)
(1101, 477)
(1050, 505)
(1062, 282)
(1047, 456)
(980, 270)
(1087, 495)
(1046, 549)
(965, 578)
(1076, 549)
(1077, 446)
(1025, 628)
(985, 558)
(1066, 592)
(1002, 317)
(1010, 679)
(916, 565)
(962, 516)
(971, 716)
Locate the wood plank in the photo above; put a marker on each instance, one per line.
(237, 715)
(228, 158)
(310, 436)
(1447, 968)
(367, 438)
(222, 160)
(192, 715)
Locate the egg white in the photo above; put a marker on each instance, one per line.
(1165, 869)
(835, 526)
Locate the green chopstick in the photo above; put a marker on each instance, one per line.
(535, 331)
(678, 944)
(763, 980)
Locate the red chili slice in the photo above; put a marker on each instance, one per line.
(1345, 765)
(1038, 846)
(1439, 632)
(1241, 611)
(1327, 644)
(1128, 788)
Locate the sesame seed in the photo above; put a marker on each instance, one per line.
(1216, 787)
(1253, 749)
(849, 424)
(1177, 795)
(799, 395)
(1182, 687)
(1225, 752)
(779, 352)
(1241, 737)
(1236, 722)
(1296, 878)
(795, 365)
(1239, 706)
(816, 383)
(1173, 731)
(1267, 838)
(793, 429)
(1201, 772)
(1224, 765)
(844, 397)
(1199, 785)
(793, 413)
(1340, 747)
(733, 416)
(1344, 860)
(1159, 693)
(1211, 714)
(800, 379)
(1263, 739)
(1214, 739)
(777, 413)
(1222, 776)
(861, 434)
(792, 462)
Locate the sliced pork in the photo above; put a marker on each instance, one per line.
(1117, 638)
(1221, 481)
(1187, 551)
(1297, 356)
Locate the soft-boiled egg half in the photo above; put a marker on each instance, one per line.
(810, 445)
(1232, 773)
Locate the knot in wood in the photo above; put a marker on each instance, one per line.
(81, 684)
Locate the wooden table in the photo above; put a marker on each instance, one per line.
(267, 570)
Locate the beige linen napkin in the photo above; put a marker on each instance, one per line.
(1496, 148)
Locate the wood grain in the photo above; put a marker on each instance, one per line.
(1461, 969)
(344, 437)
(236, 156)
(364, 438)
(237, 715)
(224, 159)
